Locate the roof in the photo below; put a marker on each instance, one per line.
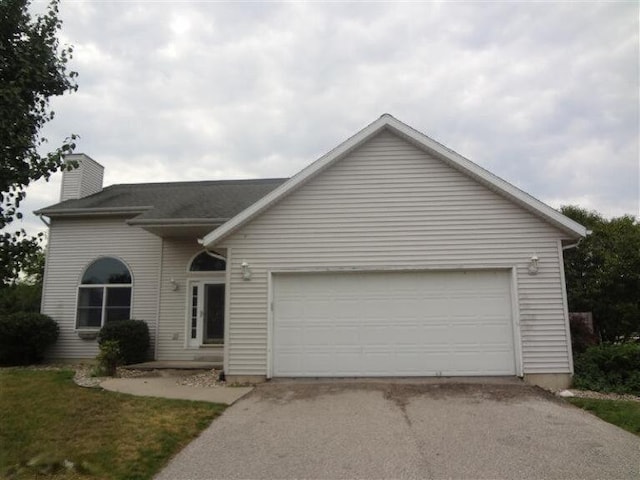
(573, 229)
(210, 202)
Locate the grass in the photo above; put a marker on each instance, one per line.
(623, 413)
(46, 417)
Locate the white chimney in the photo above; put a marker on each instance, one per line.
(82, 181)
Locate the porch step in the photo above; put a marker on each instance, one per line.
(176, 365)
(209, 358)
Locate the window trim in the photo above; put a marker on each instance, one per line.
(104, 287)
(207, 272)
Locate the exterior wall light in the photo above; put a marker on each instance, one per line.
(246, 271)
(533, 265)
(174, 284)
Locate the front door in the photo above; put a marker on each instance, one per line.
(206, 313)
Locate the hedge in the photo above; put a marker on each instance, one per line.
(609, 368)
(25, 337)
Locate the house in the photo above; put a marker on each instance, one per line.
(391, 255)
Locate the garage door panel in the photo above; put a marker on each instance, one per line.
(397, 323)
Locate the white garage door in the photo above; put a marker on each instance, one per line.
(392, 324)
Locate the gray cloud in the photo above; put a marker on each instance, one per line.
(544, 95)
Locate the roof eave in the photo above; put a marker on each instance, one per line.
(176, 222)
(81, 212)
(303, 175)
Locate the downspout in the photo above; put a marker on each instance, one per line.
(41, 217)
(573, 245)
(46, 265)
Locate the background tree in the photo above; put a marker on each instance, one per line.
(603, 273)
(24, 295)
(32, 69)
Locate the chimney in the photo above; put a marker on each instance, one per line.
(82, 181)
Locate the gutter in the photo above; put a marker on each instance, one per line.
(574, 245)
(77, 212)
(41, 217)
(171, 222)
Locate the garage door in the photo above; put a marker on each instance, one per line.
(392, 324)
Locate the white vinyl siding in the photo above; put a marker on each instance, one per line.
(82, 181)
(176, 257)
(73, 245)
(390, 206)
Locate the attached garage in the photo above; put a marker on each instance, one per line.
(394, 256)
(393, 324)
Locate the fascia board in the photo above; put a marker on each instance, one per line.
(170, 222)
(419, 139)
(79, 212)
(265, 202)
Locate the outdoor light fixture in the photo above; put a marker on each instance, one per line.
(174, 284)
(533, 265)
(246, 271)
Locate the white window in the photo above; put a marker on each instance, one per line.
(104, 294)
(208, 262)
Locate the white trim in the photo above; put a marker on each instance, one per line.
(227, 316)
(565, 306)
(515, 307)
(74, 212)
(270, 337)
(515, 313)
(200, 283)
(187, 311)
(45, 275)
(80, 285)
(208, 272)
(573, 229)
(156, 341)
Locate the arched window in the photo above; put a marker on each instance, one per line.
(208, 262)
(104, 294)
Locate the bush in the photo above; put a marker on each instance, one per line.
(609, 368)
(109, 358)
(132, 337)
(25, 336)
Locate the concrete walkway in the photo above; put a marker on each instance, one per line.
(166, 387)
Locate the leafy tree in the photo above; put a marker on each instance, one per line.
(24, 294)
(32, 69)
(603, 273)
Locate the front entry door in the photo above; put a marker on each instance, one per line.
(206, 322)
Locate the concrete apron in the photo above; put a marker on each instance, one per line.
(166, 387)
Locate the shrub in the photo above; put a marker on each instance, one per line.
(132, 337)
(609, 368)
(109, 358)
(25, 336)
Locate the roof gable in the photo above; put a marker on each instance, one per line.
(453, 159)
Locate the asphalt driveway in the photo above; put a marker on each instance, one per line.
(406, 430)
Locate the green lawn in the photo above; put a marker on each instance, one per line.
(43, 414)
(623, 413)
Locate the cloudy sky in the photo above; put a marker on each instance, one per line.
(544, 95)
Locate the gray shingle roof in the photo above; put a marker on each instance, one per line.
(171, 201)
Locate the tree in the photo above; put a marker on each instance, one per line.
(32, 70)
(25, 294)
(603, 273)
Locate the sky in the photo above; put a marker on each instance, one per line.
(544, 95)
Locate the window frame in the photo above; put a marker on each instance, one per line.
(207, 272)
(104, 288)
